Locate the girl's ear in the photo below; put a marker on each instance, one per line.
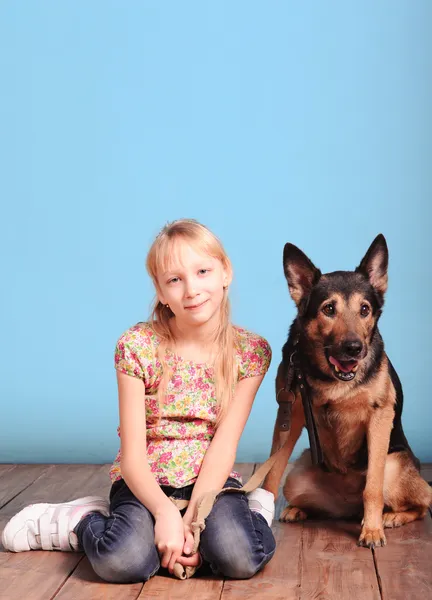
(227, 276)
(159, 294)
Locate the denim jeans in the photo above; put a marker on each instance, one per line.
(235, 543)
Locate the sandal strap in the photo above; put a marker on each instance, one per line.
(45, 531)
(63, 531)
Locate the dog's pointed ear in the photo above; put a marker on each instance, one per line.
(375, 264)
(300, 273)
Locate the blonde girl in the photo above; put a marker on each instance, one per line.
(187, 379)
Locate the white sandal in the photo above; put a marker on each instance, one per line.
(262, 502)
(50, 526)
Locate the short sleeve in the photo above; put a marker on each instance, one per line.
(134, 354)
(255, 356)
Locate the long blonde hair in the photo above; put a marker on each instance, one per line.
(158, 260)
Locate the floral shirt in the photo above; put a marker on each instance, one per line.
(179, 439)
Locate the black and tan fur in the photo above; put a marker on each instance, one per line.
(370, 470)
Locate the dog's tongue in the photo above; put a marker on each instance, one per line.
(345, 366)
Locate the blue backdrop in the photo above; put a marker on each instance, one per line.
(268, 121)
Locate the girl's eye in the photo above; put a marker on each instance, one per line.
(204, 271)
(173, 280)
(329, 310)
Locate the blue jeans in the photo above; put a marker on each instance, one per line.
(235, 543)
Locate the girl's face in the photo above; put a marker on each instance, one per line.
(193, 285)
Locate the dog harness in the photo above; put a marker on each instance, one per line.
(286, 397)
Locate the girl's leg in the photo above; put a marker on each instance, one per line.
(120, 547)
(236, 541)
(117, 538)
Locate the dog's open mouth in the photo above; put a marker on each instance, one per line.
(345, 370)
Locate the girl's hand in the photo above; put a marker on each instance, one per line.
(188, 538)
(188, 559)
(169, 537)
(194, 560)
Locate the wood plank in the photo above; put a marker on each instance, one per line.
(333, 566)
(36, 574)
(404, 565)
(204, 588)
(312, 560)
(17, 479)
(85, 584)
(4, 468)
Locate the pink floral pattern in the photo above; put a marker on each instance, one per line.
(178, 441)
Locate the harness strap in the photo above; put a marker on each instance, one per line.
(286, 397)
(314, 442)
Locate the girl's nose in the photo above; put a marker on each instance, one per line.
(191, 290)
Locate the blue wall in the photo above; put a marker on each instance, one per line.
(307, 122)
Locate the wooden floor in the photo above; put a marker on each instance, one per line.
(314, 560)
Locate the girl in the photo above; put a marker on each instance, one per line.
(186, 382)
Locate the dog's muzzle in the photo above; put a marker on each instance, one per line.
(345, 370)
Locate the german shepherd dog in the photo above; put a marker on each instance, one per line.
(368, 468)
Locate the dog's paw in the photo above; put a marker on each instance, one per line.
(372, 538)
(291, 514)
(394, 519)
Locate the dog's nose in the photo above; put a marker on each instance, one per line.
(352, 347)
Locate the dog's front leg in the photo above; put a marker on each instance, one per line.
(287, 441)
(378, 438)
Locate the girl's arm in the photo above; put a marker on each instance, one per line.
(134, 465)
(169, 529)
(220, 456)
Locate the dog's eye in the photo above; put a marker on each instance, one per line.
(329, 310)
(365, 310)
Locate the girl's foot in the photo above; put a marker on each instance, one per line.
(262, 502)
(50, 526)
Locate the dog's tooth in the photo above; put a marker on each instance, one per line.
(336, 369)
(354, 369)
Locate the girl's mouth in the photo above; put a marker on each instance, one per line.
(196, 306)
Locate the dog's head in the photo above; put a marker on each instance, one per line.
(338, 311)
